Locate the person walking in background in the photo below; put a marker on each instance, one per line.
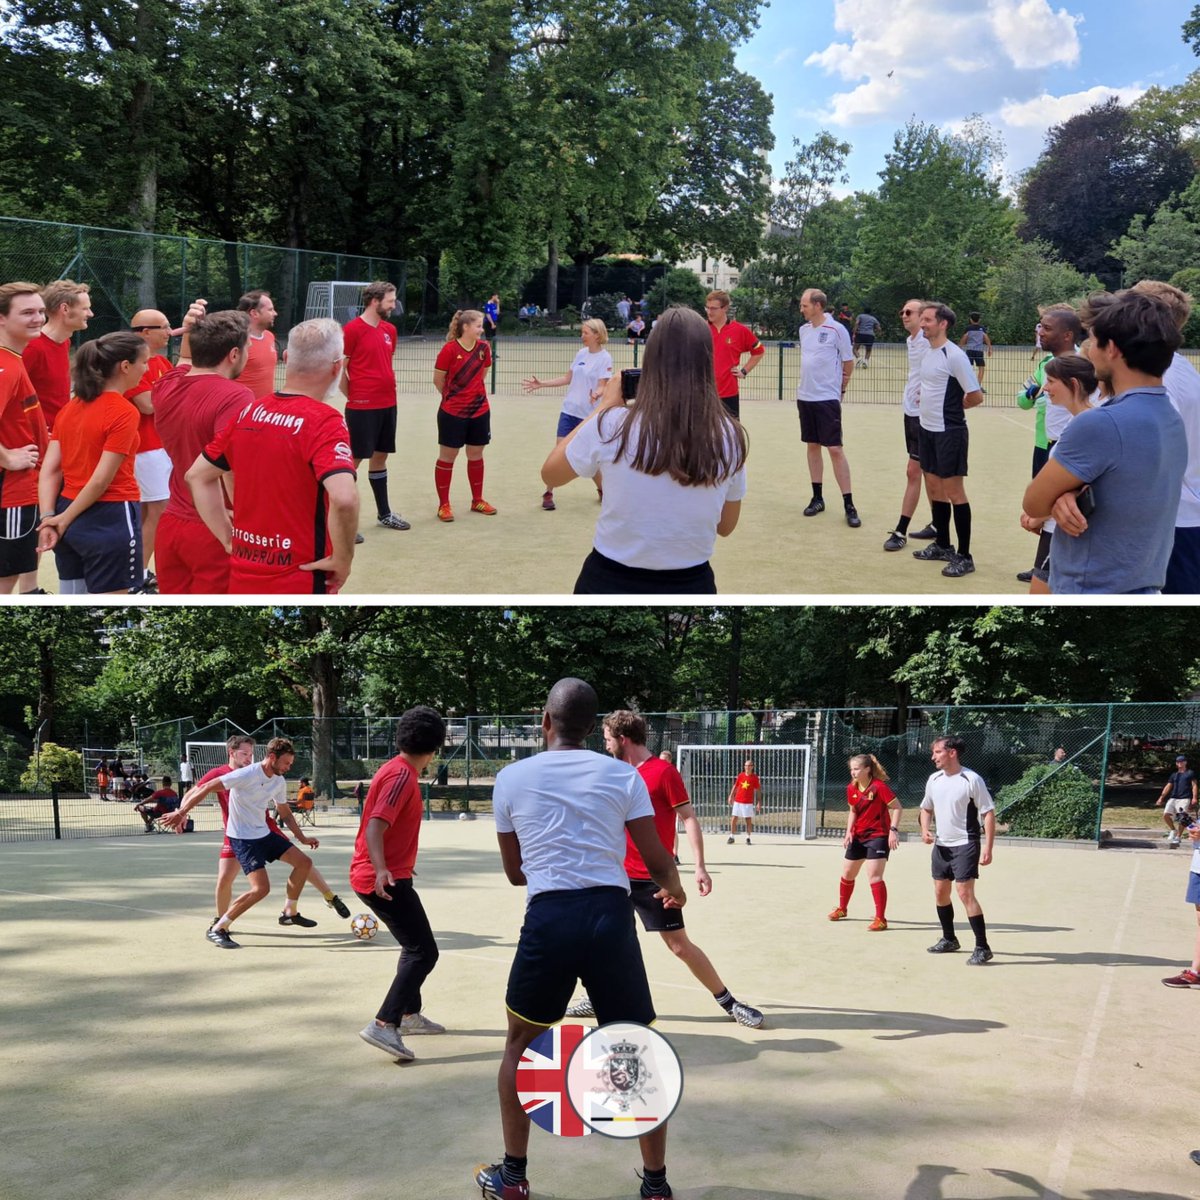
(975, 342)
(1178, 798)
(867, 327)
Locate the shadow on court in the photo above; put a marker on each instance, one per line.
(1085, 958)
(907, 1024)
(934, 1181)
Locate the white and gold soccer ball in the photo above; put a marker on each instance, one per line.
(364, 926)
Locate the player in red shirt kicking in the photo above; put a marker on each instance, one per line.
(464, 417)
(731, 341)
(871, 835)
(295, 502)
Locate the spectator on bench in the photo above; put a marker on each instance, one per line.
(158, 804)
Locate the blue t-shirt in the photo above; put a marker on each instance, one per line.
(1133, 452)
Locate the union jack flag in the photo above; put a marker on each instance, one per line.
(542, 1080)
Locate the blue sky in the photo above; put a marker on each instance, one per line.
(1025, 65)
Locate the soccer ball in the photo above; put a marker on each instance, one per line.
(364, 927)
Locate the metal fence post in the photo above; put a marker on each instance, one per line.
(494, 357)
(57, 814)
(1104, 770)
(780, 396)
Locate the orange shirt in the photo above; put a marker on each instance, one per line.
(84, 430)
(259, 372)
(22, 423)
(148, 437)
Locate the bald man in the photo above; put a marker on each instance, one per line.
(152, 465)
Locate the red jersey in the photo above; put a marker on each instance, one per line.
(730, 342)
(464, 393)
(259, 372)
(370, 350)
(395, 799)
(84, 430)
(188, 413)
(22, 423)
(667, 793)
(281, 449)
(49, 365)
(148, 437)
(746, 789)
(870, 807)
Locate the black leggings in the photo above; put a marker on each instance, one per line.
(404, 916)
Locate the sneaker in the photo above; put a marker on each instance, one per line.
(649, 1191)
(979, 956)
(1173, 844)
(359, 539)
(945, 946)
(877, 925)
(958, 566)
(385, 1038)
(1025, 576)
(581, 1008)
(548, 501)
(896, 541)
(1169, 835)
(296, 919)
(934, 553)
(852, 517)
(482, 506)
(747, 841)
(220, 937)
(924, 535)
(729, 840)
(416, 1023)
(394, 521)
(838, 914)
(1186, 978)
(445, 512)
(1195, 1157)
(491, 1183)
(743, 1014)
(339, 906)
(814, 507)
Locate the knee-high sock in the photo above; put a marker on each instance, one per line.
(475, 478)
(941, 521)
(962, 527)
(845, 891)
(378, 482)
(442, 474)
(879, 894)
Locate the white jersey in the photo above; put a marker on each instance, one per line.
(1182, 382)
(185, 771)
(917, 345)
(568, 809)
(251, 792)
(588, 372)
(957, 802)
(823, 349)
(946, 378)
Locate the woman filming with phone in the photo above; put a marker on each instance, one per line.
(673, 462)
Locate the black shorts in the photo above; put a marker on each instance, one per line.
(820, 421)
(944, 454)
(975, 358)
(732, 406)
(959, 863)
(372, 431)
(255, 853)
(456, 432)
(654, 916)
(912, 436)
(102, 547)
(18, 540)
(876, 847)
(587, 935)
(864, 339)
(604, 576)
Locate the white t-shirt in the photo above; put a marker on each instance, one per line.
(568, 809)
(588, 371)
(185, 771)
(251, 792)
(1182, 382)
(917, 345)
(823, 349)
(647, 521)
(946, 377)
(957, 802)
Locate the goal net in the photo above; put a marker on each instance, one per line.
(203, 756)
(785, 772)
(340, 299)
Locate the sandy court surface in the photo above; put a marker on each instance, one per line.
(142, 1063)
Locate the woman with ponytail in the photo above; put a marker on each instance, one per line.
(871, 835)
(88, 495)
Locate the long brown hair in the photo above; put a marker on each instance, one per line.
(679, 426)
(96, 361)
(1073, 369)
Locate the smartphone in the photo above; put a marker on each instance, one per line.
(1085, 500)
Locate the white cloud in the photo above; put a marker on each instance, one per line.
(785, 55)
(1034, 35)
(1045, 110)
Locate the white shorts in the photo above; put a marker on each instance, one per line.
(153, 471)
(742, 810)
(1177, 804)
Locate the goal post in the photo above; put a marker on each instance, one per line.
(340, 299)
(203, 756)
(786, 774)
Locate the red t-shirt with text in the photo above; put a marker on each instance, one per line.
(465, 390)
(667, 793)
(395, 799)
(370, 350)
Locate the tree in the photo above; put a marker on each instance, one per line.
(1032, 275)
(1167, 242)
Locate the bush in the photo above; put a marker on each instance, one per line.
(1064, 806)
(11, 754)
(58, 765)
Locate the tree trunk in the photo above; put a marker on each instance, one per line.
(733, 698)
(46, 687)
(552, 281)
(323, 678)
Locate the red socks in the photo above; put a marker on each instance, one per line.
(442, 474)
(879, 895)
(845, 891)
(475, 478)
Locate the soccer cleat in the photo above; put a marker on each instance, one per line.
(482, 506)
(359, 539)
(445, 512)
(339, 906)
(1195, 1157)
(838, 914)
(1187, 978)
(385, 1038)
(296, 919)
(852, 517)
(877, 925)
(743, 1014)
(979, 956)
(958, 566)
(934, 553)
(394, 520)
(747, 841)
(924, 535)
(490, 1181)
(581, 1008)
(1025, 576)
(220, 937)
(729, 840)
(814, 507)
(548, 501)
(945, 946)
(896, 541)
(416, 1023)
